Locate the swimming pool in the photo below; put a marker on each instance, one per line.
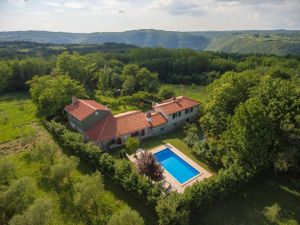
(176, 166)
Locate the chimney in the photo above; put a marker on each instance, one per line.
(74, 100)
(148, 117)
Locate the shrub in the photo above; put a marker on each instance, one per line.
(166, 93)
(173, 209)
(132, 144)
(272, 213)
(148, 166)
(7, 172)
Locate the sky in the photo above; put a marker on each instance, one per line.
(121, 15)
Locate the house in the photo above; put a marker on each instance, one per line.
(97, 123)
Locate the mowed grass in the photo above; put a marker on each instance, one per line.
(17, 114)
(175, 138)
(247, 206)
(196, 92)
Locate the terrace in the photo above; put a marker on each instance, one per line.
(174, 139)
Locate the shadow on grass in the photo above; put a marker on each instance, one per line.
(246, 206)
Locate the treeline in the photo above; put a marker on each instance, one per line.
(98, 71)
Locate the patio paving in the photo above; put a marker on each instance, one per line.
(168, 178)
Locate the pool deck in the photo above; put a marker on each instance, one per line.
(175, 185)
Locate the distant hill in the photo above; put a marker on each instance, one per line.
(280, 42)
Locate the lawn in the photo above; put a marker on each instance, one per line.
(200, 93)
(175, 138)
(246, 207)
(17, 115)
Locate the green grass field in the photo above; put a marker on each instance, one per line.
(246, 207)
(20, 114)
(17, 114)
(199, 93)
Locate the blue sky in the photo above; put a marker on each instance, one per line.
(122, 15)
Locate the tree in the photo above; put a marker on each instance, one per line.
(74, 65)
(147, 81)
(90, 198)
(61, 172)
(7, 172)
(251, 135)
(44, 151)
(6, 75)
(126, 216)
(39, 213)
(52, 93)
(170, 212)
(128, 86)
(166, 93)
(132, 144)
(280, 99)
(191, 132)
(19, 195)
(227, 93)
(148, 166)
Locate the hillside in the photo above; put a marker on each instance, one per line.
(280, 42)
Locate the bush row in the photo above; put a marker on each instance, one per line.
(121, 173)
(175, 208)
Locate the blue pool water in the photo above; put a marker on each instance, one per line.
(176, 166)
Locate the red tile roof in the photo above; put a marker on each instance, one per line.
(175, 105)
(157, 119)
(116, 126)
(82, 108)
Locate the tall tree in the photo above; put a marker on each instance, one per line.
(39, 213)
(126, 217)
(17, 198)
(51, 93)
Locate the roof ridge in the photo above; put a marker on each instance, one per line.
(84, 102)
(127, 113)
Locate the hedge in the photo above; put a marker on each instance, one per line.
(120, 173)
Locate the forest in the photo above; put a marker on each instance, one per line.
(249, 126)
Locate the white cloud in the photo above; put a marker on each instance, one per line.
(54, 4)
(74, 5)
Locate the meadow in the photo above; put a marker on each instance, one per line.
(196, 92)
(22, 131)
(17, 116)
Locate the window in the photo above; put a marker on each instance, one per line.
(187, 111)
(142, 132)
(192, 109)
(136, 133)
(119, 141)
(162, 129)
(174, 115)
(179, 114)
